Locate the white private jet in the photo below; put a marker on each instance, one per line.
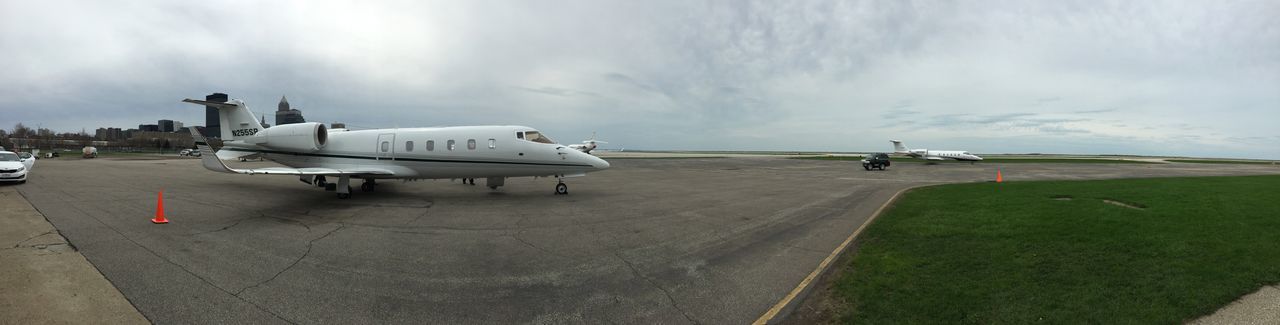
(312, 152)
(927, 154)
(587, 145)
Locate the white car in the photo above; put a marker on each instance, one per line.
(14, 168)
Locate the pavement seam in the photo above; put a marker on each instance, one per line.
(636, 272)
(807, 283)
(183, 268)
(86, 258)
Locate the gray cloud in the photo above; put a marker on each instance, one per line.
(553, 91)
(1096, 111)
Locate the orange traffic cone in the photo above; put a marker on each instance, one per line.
(999, 177)
(160, 209)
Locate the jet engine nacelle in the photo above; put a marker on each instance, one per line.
(310, 136)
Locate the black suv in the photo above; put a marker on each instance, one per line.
(876, 160)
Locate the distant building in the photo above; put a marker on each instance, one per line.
(109, 134)
(177, 126)
(264, 121)
(212, 126)
(148, 128)
(165, 125)
(286, 115)
(159, 139)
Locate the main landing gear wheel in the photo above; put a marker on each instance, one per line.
(319, 181)
(368, 186)
(562, 189)
(343, 186)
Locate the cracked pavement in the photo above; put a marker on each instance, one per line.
(648, 241)
(44, 280)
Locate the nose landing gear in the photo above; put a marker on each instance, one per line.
(562, 189)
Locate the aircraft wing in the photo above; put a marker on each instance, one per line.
(934, 158)
(302, 171)
(210, 160)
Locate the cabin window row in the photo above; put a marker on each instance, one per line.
(449, 145)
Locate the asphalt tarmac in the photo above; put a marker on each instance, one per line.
(716, 240)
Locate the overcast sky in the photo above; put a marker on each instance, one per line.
(1199, 78)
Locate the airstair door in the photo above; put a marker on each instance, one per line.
(386, 147)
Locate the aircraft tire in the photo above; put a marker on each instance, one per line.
(366, 187)
(562, 189)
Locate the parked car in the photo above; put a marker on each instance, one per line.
(876, 160)
(184, 152)
(14, 168)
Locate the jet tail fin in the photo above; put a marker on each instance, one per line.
(898, 147)
(237, 122)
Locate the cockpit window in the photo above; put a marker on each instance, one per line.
(538, 137)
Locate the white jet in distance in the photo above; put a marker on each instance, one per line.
(313, 152)
(927, 154)
(588, 144)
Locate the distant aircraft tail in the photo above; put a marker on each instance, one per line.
(236, 119)
(898, 147)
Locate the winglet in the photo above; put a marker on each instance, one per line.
(208, 157)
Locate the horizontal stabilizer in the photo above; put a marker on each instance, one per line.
(233, 155)
(209, 103)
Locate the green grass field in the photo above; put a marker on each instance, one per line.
(672, 157)
(1203, 161)
(990, 160)
(1010, 253)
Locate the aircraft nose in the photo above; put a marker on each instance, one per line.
(599, 163)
